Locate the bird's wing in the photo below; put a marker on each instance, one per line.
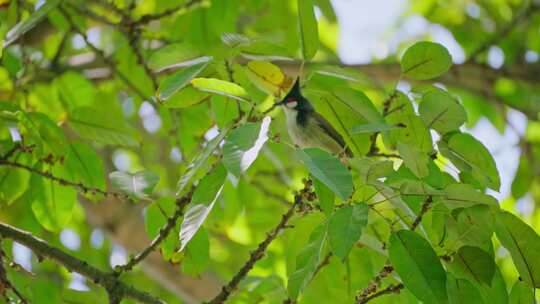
(323, 123)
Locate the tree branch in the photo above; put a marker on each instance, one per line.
(526, 12)
(115, 287)
(64, 182)
(5, 284)
(257, 254)
(388, 290)
(181, 203)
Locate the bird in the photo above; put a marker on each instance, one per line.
(307, 128)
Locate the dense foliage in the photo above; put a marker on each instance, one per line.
(149, 127)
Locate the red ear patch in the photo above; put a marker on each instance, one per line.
(290, 99)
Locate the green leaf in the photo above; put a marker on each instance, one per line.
(345, 228)
(85, 166)
(186, 97)
(140, 184)
(425, 60)
(197, 253)
(176, 55)
(75, 90)
(155, 218)
(475, 225)
(41, 131)
(309, 32)
(243, 145)
(524, 246)
(521, 294)
(307, 261)
(220, 87)
(102, 125)
(202, 202)
(464, 195)
(418, 266)
(524, 177)
(328, 169)
(469, 155)
(266, 76)
(325, 196)
(372, 128)
(441, 112)
(24, 26)
(370, 169)
(462, 291)
(52, 203)
(473, 264)
(415, 159)
(13, 182)
(199, 160)
(172, 84)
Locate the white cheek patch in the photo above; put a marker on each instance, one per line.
(291, 104)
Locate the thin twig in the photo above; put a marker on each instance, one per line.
(115, 287)
(373, 150)
(526, 12)
(388, 290)
(64, 182)
(5, 284)
(106, 59)
(181, 203)
(151, 17)
(258, 253)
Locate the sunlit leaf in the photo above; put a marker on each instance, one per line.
(425, 60)
(243, 145)
(202, 202)
(140, 184)
(186, 97)
(266, 76)
(220, 87)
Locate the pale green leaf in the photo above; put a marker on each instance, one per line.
(220, 87)
(425, 60)
(140, 184)
(415, 159)
(243, 145)
(202, 202)
(441, 112)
